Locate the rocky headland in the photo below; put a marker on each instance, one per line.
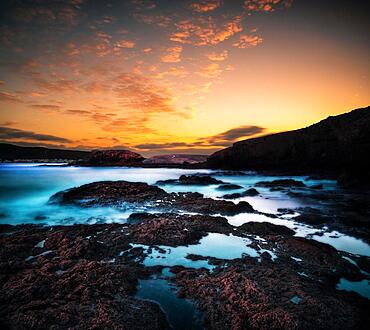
(335, 147)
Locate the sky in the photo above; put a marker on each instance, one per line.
(176, 76)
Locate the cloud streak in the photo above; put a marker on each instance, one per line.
(11, 134)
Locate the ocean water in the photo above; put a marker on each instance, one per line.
(26, 188)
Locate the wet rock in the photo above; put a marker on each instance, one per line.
(265, 228)
(364, 264)
(174, 229)
(229, 186)
(110, 192)
(281, 183)
(312, 216)
(246, 294)
(251, 192)
(114, 193)
(75, 286)
(317, 186)
(248, 193)
(285, 211)
(198, 180)
(195, 203)
(232, 196)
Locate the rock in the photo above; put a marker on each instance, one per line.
(198, 180)
(114, 193)
(247, 294)
(113, 158)
(285, 211)
(86, 276)
(110, 192)
(232, 196)
(318, 148)
(251, 192)
(248, 193)
(174, 229)
(229, 186)
(76, 287)
(281, 183)
(265, 228)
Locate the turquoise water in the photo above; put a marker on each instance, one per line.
(26, 188)
(181, 313)
(213, 245)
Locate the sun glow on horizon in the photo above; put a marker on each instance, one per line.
(156, 77)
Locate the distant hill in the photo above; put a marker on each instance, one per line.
(12, 152)
(176, 159)
(339, 145)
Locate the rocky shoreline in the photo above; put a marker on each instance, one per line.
(86, 276)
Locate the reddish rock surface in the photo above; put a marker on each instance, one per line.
(173, 229)
(71, 280)
(113, 193)
(250, 295)
(85, 276)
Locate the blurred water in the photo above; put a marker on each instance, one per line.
(26, 188)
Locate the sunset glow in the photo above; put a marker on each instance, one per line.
(176, 76)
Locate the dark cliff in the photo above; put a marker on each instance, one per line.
(338, 145)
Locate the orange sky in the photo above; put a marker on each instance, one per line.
(185, 76)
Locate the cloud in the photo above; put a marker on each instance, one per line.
(210, 71)
(47, 107)
(9, 123)
(9, 134)
(158, 20)
(223, 139)
(45, 12)
(204, 6)
(173, 55)
(221, 56)
(9, 97)
(235, 134)
(206, 31)
(125, 44)
(142, 93)
(266, 5)
(247, 41)
(156, 146)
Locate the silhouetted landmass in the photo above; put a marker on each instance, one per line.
(176, 159)
(112, 158)
(11, 152)
(337, 146)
